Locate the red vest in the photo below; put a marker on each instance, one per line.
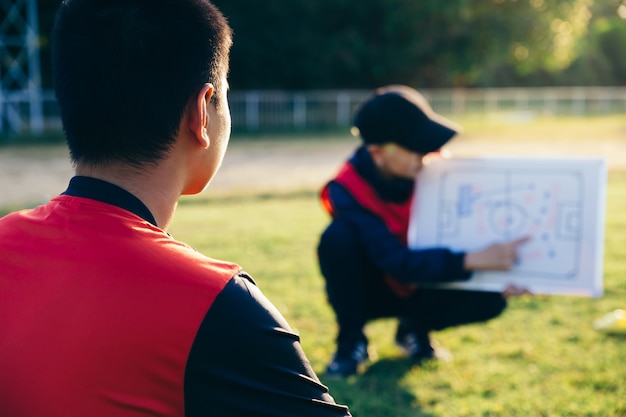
(394, 215)
(98, 312)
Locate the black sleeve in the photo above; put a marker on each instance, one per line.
(389, 254)
(246, 361)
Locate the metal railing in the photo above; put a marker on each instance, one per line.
(270, 111)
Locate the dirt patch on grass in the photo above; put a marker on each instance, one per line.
(32, 175)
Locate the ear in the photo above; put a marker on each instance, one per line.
(376, 152)
(199, 115)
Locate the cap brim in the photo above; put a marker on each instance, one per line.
(435, 134)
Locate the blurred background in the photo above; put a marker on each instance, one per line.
(304, 65)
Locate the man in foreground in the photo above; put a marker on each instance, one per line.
(369, 270)
(103, 313)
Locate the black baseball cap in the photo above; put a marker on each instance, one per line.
(401, 115)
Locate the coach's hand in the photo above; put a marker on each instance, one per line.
(497, 257)
(513, 290)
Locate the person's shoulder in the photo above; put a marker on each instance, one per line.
(14, 222)
(150, 250)
(11, 217)
(190, 260)
(7, 224)
(340, 197)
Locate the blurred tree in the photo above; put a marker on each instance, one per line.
(607, 43)
(345, 43)
(598, 55)
(526, 36)
(310, 44)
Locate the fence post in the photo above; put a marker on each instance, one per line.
(252, 111)
(605, 99)
(521, 100)
(458, 100)
(299, 111)
(491, 99)
(578, 102)
(34, 71)
(343, 109)
(1, 112)
(549, 102)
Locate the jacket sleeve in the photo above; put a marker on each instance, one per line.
(391, 255)
(246, 361)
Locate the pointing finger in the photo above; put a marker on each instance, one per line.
(520, 241)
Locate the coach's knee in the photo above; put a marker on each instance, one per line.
(494, 305)
(338, 240)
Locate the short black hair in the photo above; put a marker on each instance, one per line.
(124, 71)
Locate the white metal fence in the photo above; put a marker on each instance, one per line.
(270, 111)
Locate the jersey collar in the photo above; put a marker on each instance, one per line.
(108, 193)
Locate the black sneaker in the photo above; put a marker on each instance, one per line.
(414, 346)
(418, 346)
(345, 365)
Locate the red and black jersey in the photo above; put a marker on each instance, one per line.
(104, 314)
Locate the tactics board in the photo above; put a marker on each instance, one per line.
(467, 204)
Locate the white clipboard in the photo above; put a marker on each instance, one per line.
(467, 204)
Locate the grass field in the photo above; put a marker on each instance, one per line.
(541, 358)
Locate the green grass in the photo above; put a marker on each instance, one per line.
(541, 358)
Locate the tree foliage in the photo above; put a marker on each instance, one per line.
(348, 43)
(311, 44)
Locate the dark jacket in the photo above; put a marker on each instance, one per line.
(386, 251)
